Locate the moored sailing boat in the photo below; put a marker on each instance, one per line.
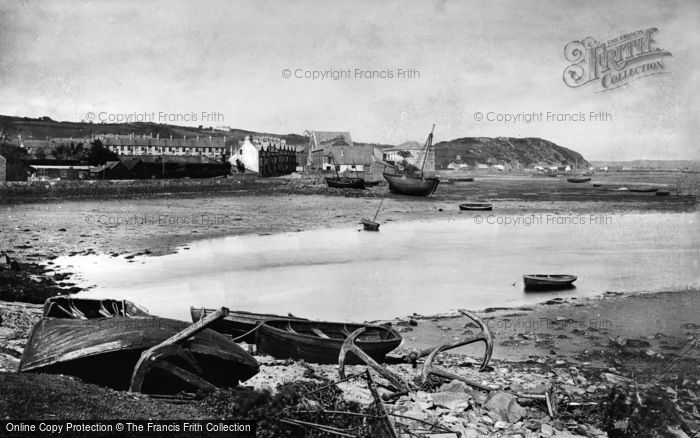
(412, 185)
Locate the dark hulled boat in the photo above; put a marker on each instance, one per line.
(581, 179)
(344, 182)
(412, 185)
(479, 206)
(548, 282)
(101, 341)
(320, 342)
(644, 189)
(238, 324)
(369, 225)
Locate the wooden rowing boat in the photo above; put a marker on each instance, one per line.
(369, 225)
(101, 341)
(238, 324)
(547, 281)
(582, 179)
(320, 342)
(480, 206)
(643, 189)
(344, 182)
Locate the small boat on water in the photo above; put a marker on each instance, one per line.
(344, 182)
(548, 281)
(580, 179)
(238, 324)
(320, 342)
(372, 225)
(414, 185)
(369, 225)
(479, 206)
(101, 341)
(644, 189)
(466, 179)
(663, 193)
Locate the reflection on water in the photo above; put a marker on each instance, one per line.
(423, 267)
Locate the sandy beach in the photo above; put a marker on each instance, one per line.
(570, 343)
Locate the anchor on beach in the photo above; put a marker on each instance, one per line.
(428, 369)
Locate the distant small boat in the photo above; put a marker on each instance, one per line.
(463, 180)
(372, 225)
(581, 179)
(101, 340)
(320, 342)
(663, 193)
(344, 182)
(369, 225)
(644, 189)
(597, 185)
(238, 324)
(483, 206)
(545, 281)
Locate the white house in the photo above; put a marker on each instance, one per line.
(248, 154)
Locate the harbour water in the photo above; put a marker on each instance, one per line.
(423, 267)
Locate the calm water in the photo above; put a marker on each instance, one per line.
(423, 267)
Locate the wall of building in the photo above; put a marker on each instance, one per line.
(3, 169)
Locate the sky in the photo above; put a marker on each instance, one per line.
(72, 60)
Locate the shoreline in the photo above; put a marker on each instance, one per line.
(548, 344)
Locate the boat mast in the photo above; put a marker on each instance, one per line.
(428, 143)
(375, 214)
(334, 166)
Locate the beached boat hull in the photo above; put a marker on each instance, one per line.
(644, 189)
(238, 324)
(411, 185)
(104, 351)
(477, 206)
(548, 282)
(285, 339)
(578, 180)
(369, 225)
(345, 183)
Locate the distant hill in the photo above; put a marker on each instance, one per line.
(652, 164)
(514, 152)
(44, 127)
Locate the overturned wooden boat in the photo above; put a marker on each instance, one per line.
(120, 345)
(479, 206)
(414, 185)
(344, 182)
(238, 324)
(548, 281)
(580, 179)
(320, 342)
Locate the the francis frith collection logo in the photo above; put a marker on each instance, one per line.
(614, 63)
